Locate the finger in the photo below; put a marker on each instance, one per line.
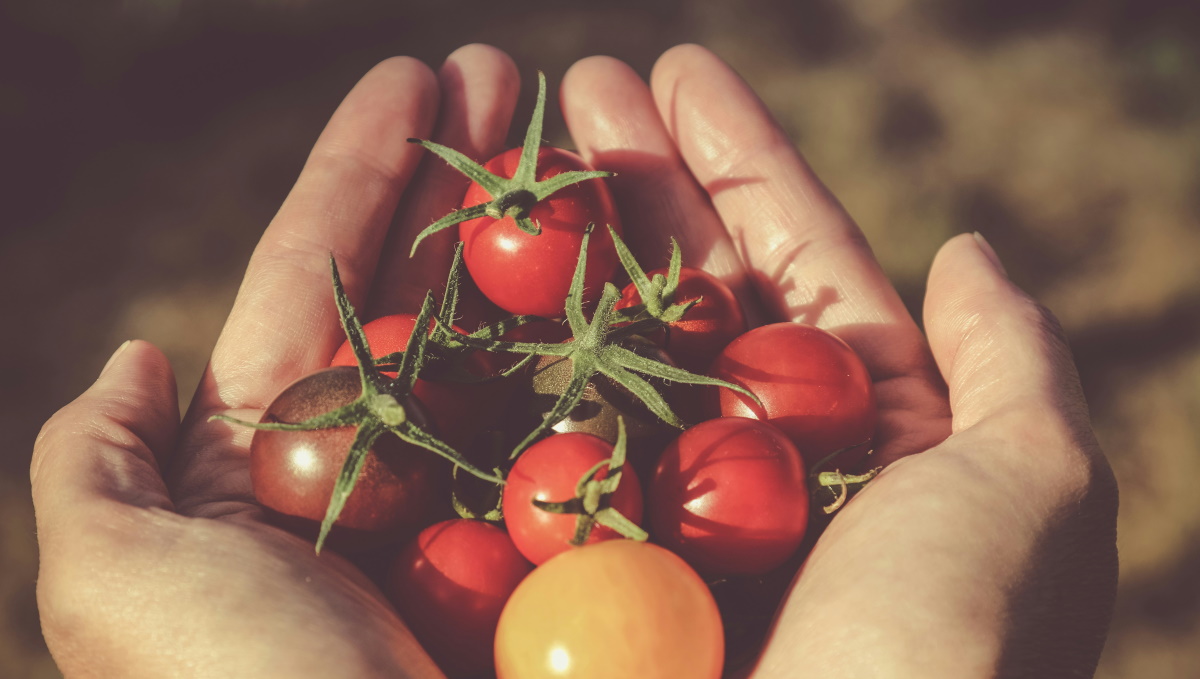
(615, 124)
(998, 349)
(284, 322)
(810, 262)
(479, 86)
(104, 449)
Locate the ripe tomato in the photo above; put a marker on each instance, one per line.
(450, 584)
(730, 496)
(458, 410)
(813, 387)
(293, 472)
(708, 326)
(614, 609)
(549, 471)
(525, 274)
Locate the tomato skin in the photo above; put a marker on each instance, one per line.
(813, 387)
(293, 472)
(458, 410)
(707, 327)
(525, 274)
(450, 584)
(614, 609)
(730, 496)
(549, 471)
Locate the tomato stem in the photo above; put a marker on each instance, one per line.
(513, 197)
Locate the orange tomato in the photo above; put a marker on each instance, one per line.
(617, 608)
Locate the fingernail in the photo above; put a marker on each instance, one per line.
(113, 359)
(990, 253)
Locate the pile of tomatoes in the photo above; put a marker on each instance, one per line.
(614, 475)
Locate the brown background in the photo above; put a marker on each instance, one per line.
(146, 143)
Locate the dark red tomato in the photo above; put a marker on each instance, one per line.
(525, 274)
(549, 471)
(458, 410)
(293, 472)
(450, 585)
(730, 496)
(813, 386)
(708, 326)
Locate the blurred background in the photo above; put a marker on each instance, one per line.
(145, 144)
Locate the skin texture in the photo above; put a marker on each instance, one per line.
(993, 533)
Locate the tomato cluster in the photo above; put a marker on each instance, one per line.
(562, 552)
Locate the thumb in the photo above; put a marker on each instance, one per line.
(106, 446)
(997, 348)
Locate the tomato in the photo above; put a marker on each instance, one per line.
(706, 328)
(293, 472)
(813, 387)
(549, 471)
(525, 274)
(450, 585)
(458, 409)
(730, 496)
(614, 609)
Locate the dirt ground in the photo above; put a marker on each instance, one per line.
(145, 144)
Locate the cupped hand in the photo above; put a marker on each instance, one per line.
(155, 559)
(985, 549)
(987, 546)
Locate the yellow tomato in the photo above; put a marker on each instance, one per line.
(618, 608)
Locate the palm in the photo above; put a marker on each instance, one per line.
(1006, 515)
(939, 544)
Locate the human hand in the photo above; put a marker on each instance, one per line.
(143, 578)
(987, 547)
(155, 559)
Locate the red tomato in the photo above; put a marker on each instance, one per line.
(549, 471)
(450, 585)
(293, 472)
(614, 609)
(525, 274)
(706, 328)
(813, 387)
(458, 410)
(730, 496)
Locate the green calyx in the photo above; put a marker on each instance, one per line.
(596, 350)
(446, 349)
(378, 410)
(513, 197)
(592, 502)
(658, 292)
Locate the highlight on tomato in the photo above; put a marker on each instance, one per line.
(618, 608)
(730, 496)
(812, 386)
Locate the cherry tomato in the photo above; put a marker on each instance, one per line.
(706, 328)
(614, 609)
(450, 585)
(549, 471)
(458, 409)
(525, 274)
(813, 387)
(730, 496)
(293, 472)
